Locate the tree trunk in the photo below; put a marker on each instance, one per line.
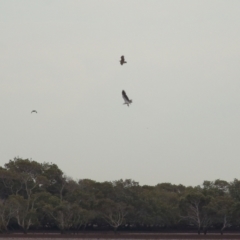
(222, 229)
(24, 230)
(224, 224)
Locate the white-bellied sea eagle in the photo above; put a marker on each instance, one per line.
(122, 61)
(126, 99)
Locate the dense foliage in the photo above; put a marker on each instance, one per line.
(40, 196)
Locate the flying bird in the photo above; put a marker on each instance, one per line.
(126, 99)
(33, 111)
(122, 61)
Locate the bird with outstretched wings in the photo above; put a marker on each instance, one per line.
(126, 99)
(122, 61)
(33, 111)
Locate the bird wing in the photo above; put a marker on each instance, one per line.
(125, 97)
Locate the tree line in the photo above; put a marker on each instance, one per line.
(39, 196)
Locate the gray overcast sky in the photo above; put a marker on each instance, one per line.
(61, 57)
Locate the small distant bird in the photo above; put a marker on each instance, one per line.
(126, 99)
(122, 61)
(33, 111)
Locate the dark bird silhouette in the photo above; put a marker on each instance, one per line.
(126, 99)
(122, 61)
(33, 111)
